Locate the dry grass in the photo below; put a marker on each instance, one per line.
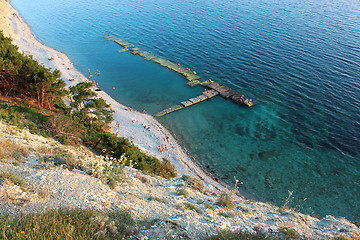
(68, 224)
(44, 150)
(14, 178)
(227, 214)
(225, 200)
(188, 206)
(182, 192)
(42, 193)
(143, 178)
(193, 183)
(289, 233)
(12, 152)
(27, 187)
(162, 200)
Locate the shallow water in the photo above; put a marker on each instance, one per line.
(300, 60)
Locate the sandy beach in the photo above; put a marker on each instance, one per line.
(127, 123)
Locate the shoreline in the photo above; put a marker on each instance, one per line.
(131, 122)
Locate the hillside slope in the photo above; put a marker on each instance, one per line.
(171, 208)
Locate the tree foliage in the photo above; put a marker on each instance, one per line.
(23, 77)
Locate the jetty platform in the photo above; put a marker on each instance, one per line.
(212, 88)
(204, 96)
(227, 93)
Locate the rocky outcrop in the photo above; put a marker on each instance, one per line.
(173, 207)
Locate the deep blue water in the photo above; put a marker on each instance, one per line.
(300, 60)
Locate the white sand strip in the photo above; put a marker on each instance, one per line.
(131, 123)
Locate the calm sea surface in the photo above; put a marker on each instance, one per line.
(300, 60)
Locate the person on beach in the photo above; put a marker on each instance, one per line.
(162, 148)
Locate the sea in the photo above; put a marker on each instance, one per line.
(299, 60)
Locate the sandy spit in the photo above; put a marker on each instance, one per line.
(127, 123)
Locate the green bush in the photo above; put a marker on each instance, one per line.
(64, 141)
(116, 147)
(21, 116)
(33, 128)
(112, 180)
(9, 116)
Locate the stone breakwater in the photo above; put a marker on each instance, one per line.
(187, 216)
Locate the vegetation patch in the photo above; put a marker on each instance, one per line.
(12, 152)
(289, 233)
(193, 183)
(287, 202)
(66, 160)
(182, 192)
(112, 180)
(188, 206)
(162, 200)
(225, 200)
(209, 206)
(19, 181)
(244, 210)
(12, 177)
(143, 178)
(68, 129)
(227, 214)
(108, 169)
(68, 224)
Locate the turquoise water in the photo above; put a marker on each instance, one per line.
(300, 60)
